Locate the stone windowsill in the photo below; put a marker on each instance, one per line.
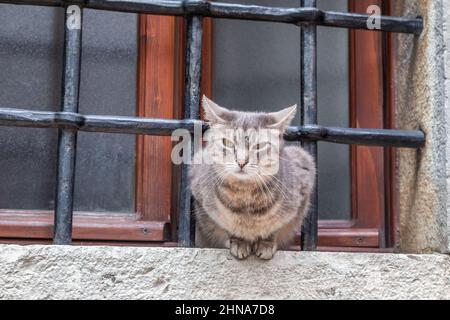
(64, 272)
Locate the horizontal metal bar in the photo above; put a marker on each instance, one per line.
(366, 137)
(298, 16)
(92, 123)
(359, 21)
(165, 127)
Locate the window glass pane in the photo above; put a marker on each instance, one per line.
(333, 100)
(30, 72)
(256, 64)
(257, 67)
(106, 162)
(31, 40)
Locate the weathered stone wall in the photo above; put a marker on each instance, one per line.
(58, 272)
(421, 105)
(447, 98)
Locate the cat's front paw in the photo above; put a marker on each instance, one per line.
(265, 249)
(239, 248)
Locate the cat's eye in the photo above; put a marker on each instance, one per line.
(261, 146)
(227, 143)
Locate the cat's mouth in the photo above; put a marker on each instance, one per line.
(241, 174)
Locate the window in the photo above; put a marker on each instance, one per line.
(144, 76)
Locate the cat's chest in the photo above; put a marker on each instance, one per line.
(250, 200)
(245, 225)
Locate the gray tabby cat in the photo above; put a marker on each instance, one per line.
(243, 203)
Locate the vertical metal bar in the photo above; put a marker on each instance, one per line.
(309, 117)
(67, 138)
(192, 111)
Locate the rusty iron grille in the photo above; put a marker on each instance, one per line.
(69, 121)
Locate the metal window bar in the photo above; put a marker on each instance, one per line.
(191, 111)
(67, 137)
(308, 88)
(69, 121)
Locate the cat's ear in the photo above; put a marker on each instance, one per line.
(283, 118)
(213, 112)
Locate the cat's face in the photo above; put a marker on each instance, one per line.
(244, 145)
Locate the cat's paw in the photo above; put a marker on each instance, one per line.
(239, 248)
(265, 249)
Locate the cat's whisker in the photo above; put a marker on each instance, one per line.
(268, 191)
(278, 184)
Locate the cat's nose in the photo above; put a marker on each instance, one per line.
(242, 163)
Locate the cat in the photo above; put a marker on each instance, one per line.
(255, 200)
